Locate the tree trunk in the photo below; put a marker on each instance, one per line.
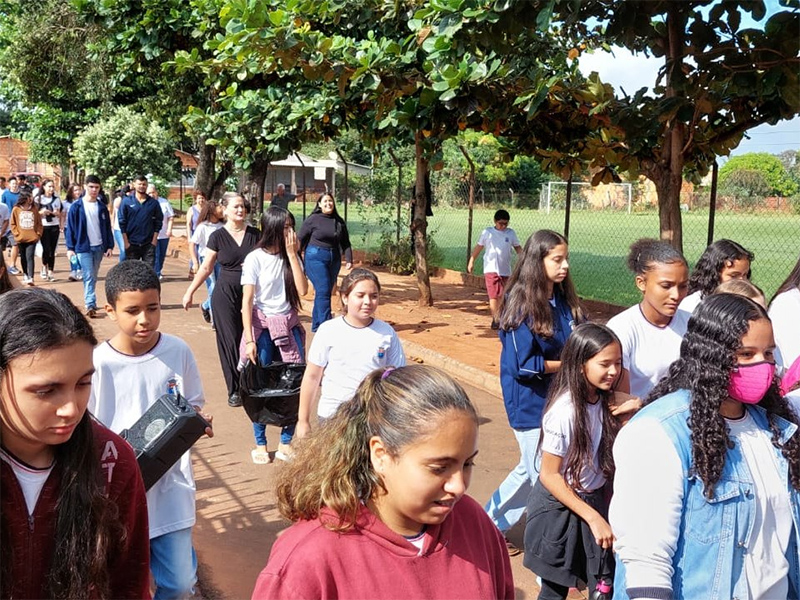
(218, 188)
(258, 180)
(668, 188)
(419, 227)
(668, 173)
(206, 168)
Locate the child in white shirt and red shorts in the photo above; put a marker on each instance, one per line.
(498, 242)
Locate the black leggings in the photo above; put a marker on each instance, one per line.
(49, 244)
(27, 254)
(226, 305)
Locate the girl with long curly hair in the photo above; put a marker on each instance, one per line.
(707, 487)
(568, 502)
(377, 497)
(537, 315)
(722, 261)
(73, 512)
(784, 309)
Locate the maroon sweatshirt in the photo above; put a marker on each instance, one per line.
(463, 557)
(33, 538)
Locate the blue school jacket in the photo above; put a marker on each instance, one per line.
(522, 376)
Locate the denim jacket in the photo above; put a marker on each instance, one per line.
(715, 534)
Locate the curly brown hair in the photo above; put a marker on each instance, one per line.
(708, 356)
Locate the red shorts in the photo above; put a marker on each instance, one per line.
(495, 285)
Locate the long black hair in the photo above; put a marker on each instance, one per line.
(708, 356)
(706, 275)
(791, 282)
(88, 530)
(585, 342)
(526, 298)
(273, 240)
(340, 224)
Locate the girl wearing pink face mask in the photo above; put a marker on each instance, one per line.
(706, 494)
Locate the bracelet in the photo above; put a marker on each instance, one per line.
(250, 342)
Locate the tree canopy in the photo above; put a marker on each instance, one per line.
(123, 145)
(770, 168)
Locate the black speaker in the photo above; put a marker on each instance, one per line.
(163, 433)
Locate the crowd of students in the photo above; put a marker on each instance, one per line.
(666, 440)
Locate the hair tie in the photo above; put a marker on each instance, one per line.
(387, 372)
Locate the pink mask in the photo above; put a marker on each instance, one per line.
(749, 383)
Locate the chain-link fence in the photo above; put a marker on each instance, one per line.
(603, 222)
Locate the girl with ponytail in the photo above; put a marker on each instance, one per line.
(377, 497)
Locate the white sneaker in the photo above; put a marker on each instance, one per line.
(43, 273)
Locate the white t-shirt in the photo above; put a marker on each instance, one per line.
(30, 479)
(794, 400)
(557, 428)
(348, 355)
(690, 303)
(765, 563)
(166, 210)
(647, 350)
(123, 388)
(5, 216)
(497, 248)
(52, 203)
(201, 235)
(265, 271)
(785, 314)
(92, 223)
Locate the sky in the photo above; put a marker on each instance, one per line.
(624, 70)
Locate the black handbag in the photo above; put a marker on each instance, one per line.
(271, 394)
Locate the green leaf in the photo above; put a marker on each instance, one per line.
(276, 17)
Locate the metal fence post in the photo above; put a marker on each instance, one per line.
(471, 199)
(346, 180)
(568, 204)
(399, 192)
(712, 206)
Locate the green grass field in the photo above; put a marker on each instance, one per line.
(599, 242)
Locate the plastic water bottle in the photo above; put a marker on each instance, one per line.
(73, 263)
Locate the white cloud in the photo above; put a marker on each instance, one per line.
(629, 72)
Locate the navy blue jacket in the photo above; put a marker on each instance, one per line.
(76, 233)
(140, 220)
(522, 375)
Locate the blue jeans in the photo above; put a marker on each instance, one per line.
(508, 502)
(174, 564)
(266, 350)
(120, 244)
(90, 265)
(322, 267)
(211, 282)
(161, 254)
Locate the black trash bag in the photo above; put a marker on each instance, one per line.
(271, 394)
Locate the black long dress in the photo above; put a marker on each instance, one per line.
(226, 302)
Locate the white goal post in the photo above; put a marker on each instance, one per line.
(547, 192)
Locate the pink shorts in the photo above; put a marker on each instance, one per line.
(495, 285)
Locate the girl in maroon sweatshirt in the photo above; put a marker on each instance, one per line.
(73, 513)
(377, 496)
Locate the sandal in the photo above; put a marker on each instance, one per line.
(259, 457)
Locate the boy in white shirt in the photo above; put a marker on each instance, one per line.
(498, 242)
(133, 369)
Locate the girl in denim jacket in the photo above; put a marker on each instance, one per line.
(706, 501)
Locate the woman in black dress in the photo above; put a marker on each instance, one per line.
(228, 246)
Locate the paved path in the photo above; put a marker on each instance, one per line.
(237, 520)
